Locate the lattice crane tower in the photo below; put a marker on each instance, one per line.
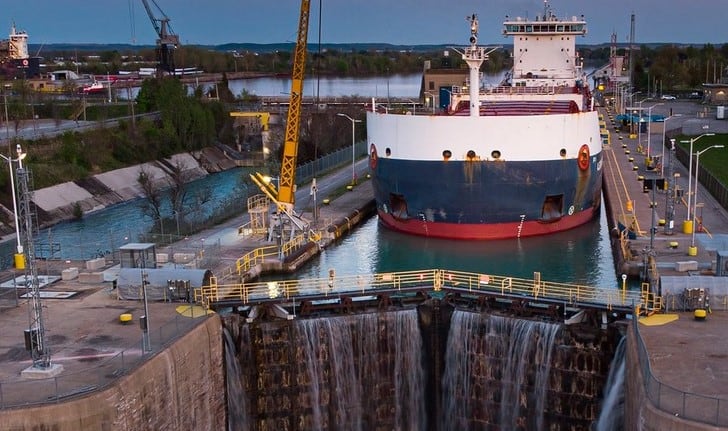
(35, 336)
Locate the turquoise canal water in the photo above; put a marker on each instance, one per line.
(582, 255)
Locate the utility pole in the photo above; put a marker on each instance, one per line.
(670, 197)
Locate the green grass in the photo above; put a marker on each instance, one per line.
(715, 160)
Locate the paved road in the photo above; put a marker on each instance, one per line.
(40, 128)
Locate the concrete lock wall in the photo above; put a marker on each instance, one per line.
(639, 412)
(180, 388)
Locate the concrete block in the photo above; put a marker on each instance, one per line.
(91, 277)
(69, 274)
(162, 257)
(686, 265)
(94, 264)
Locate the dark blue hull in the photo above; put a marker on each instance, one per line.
(486, 199)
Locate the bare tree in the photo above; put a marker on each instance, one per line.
(178, 177)
(152, 193)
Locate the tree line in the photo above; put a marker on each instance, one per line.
(189, 122)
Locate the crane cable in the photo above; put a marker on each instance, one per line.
(131, 22)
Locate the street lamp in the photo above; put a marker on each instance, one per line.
(19, 256)
(693, 251)
(664, 128)
(432, 98)
(690, 177)
(353, 144)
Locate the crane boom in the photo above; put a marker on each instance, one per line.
(167, 41)
(286, 188)
(152, 17)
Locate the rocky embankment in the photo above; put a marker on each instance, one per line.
(60, 202)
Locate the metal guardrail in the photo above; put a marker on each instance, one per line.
(686, 405)
(435, 279)
(24, 393)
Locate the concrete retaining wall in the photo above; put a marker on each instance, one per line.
(59, 202)
(639, 412)
(181, 388)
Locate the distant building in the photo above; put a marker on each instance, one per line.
(715, 94)
(437, 85)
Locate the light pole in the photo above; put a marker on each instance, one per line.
(693, 251)
(432, 98)
(670, 197)
(690, 179)
(19, 256)
(353, 145)
(662, 158)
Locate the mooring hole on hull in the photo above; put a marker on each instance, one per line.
(552, 208)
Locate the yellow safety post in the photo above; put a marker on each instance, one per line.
(19, 261)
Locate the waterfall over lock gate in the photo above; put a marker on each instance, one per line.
(497, 371)
(611, 415)
(376, 371)
(354, 372)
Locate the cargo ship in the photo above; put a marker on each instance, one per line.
(15, 61)
(520, 158)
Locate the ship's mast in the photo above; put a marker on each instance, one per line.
(474, 56)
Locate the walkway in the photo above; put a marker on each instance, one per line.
(682, 360)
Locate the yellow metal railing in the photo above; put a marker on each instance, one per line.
(434, 279)
(246, 262)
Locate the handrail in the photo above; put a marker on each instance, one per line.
(435, 279)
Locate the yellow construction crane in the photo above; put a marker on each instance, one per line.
(285, 194)
(286, 187)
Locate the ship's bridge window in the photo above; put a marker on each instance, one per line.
(529, 29)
